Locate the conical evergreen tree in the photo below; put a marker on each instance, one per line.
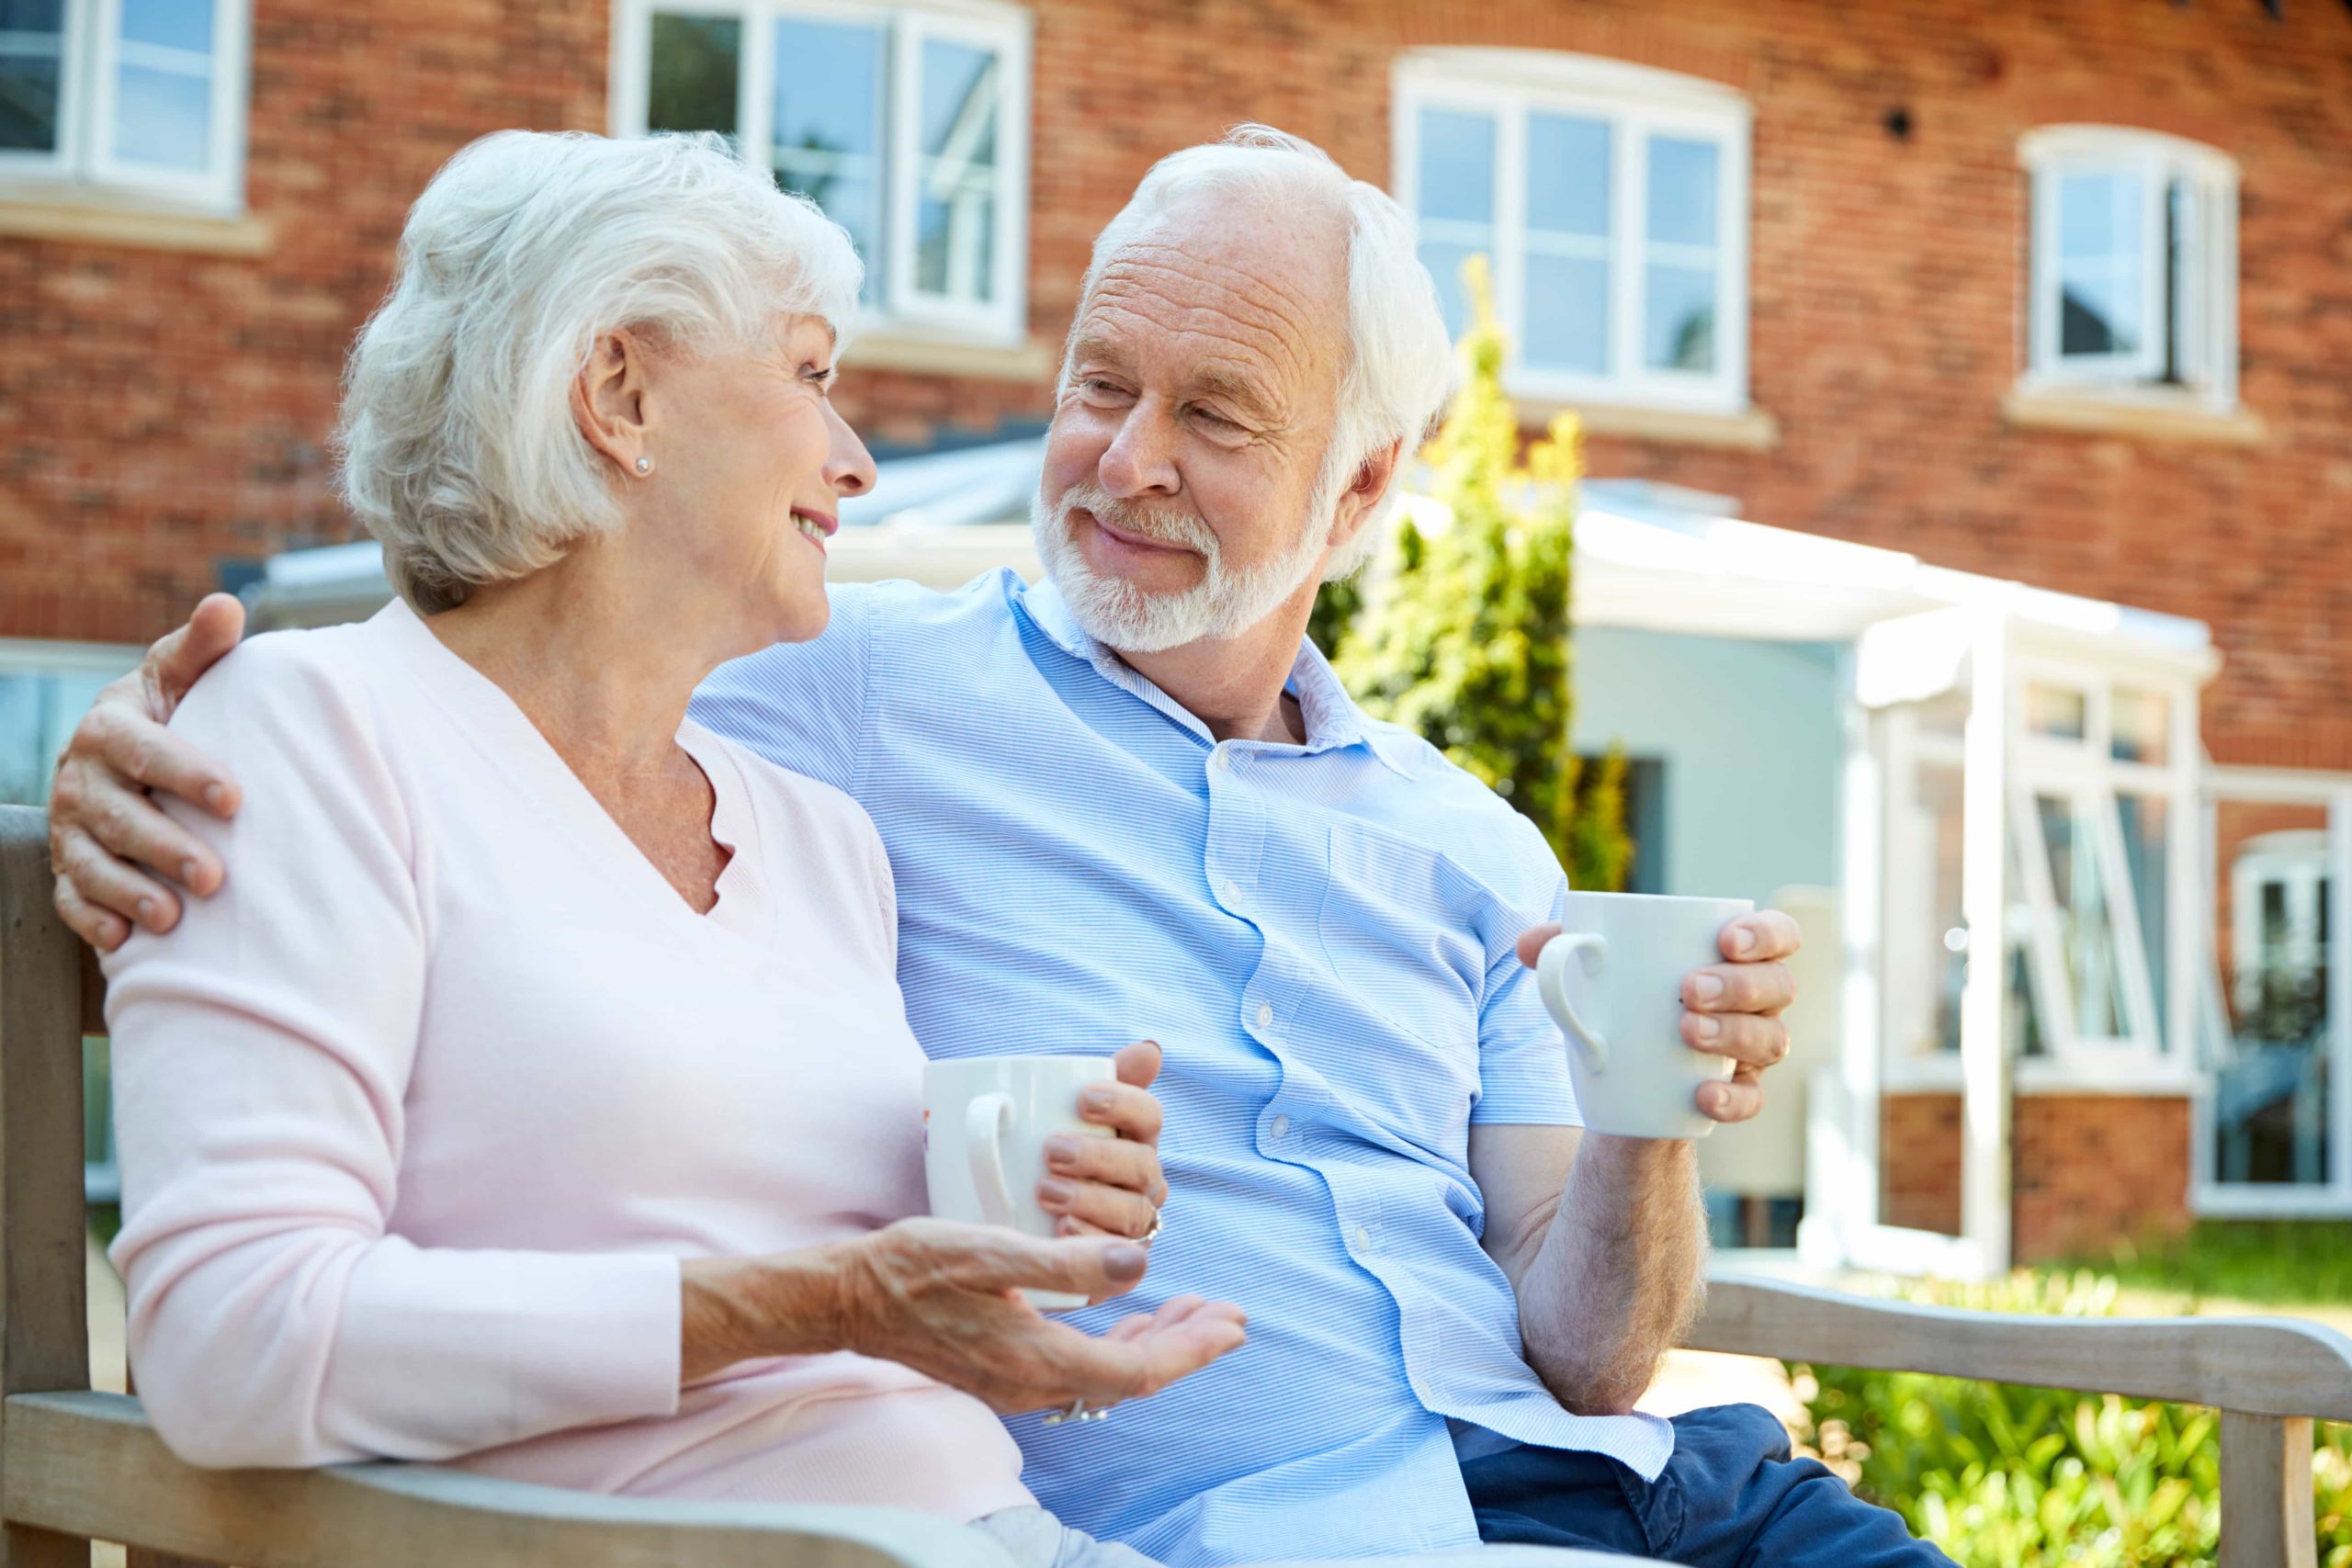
(1463, 635)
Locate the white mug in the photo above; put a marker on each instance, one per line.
(1612, 980)
(985, 1122)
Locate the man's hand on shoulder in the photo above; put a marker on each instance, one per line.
(1732, 1008)
(118, 857)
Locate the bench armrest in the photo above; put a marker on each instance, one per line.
(2256, 1365)
(89, 1465)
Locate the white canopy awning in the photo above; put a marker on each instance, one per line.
(1651, 557)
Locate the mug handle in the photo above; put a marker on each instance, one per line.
(1552, 982)
(986, 1121)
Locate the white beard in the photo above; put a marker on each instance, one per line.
(1222, 605)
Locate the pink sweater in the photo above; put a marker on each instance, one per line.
(418, 1113)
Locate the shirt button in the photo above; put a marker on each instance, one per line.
(1265, 1014)
(1362, 1240)
(1228, 891)
(1282, 1127)
(1224, 759)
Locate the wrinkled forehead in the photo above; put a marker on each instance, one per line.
(1233, 286)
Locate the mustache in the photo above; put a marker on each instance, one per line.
(1161, 527)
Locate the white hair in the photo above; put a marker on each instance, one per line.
(458, 447)
(1400, 370)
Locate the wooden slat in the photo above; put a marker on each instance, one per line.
(44, 1340)
(2267, 1492)
(93, 992)
(89, 1465)
(2254, 1366)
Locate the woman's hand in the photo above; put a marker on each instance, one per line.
(1111, 1186)
(942, 1299)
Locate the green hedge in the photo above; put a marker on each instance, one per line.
(2004, 1477)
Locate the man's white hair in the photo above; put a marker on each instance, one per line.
(1400, 371)
(458, 447)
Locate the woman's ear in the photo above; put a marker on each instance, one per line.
(608, 400)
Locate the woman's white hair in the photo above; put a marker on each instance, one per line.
(1400, 371)
(458, 447)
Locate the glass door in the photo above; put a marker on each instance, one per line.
(2273, 1031)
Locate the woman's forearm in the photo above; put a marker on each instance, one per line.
(737, 1309)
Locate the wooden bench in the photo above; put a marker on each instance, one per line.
(77, 1465)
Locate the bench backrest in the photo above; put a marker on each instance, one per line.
(44, 1332)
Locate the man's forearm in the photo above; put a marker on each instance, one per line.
(1617, 1273)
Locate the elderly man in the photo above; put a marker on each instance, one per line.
(1135, 798)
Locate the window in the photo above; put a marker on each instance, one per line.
(2134, 265)
(1611, 201)
(909, 127)
(138, 96)
(44, 690)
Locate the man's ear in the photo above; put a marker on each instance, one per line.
(1365, 488)
(608, 398)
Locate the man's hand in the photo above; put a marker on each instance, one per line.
(105, 834)
(1731, 1008)
(941, 1297)
(1111, 1186)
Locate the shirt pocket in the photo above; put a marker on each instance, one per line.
(1399, 928)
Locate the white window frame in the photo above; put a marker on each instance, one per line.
(2332, 794)
(2202, 323)
(2086, 771)
(84, 163)
(2144, 1057)
(1002, 27)
(1639, 102)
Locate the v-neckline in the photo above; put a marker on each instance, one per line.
(509, 736)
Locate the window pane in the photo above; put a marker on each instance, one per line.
(170, 24)
(2101, 272)
(1456, 178)
(2266, 1029)
(1566, 311)
(37, 711)
(2147, 838)
(32, 38)
(162, 97)
(2085, 926)
(695, 61)
(828, 125)
(1679, 317)
(2055, 712)
(163, 119)
(1444, 262)
(1567, 174)
(1937, 829)
(1682, 191)
(955, 197)
(2141, 725)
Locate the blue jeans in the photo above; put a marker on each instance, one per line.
(1730, 1496)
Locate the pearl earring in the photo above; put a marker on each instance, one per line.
(645, 464)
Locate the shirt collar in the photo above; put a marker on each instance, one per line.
(1331, 716)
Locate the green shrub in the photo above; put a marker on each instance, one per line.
(2005, 1477)
(1463, 635)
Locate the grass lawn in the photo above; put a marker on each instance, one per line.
(2289, 1266)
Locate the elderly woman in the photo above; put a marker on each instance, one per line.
(538, 1095)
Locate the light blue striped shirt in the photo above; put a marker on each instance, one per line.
(1320, 937)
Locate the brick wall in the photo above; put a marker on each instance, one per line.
(2086, 1170)
(168, 411)
(1918, 1142)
